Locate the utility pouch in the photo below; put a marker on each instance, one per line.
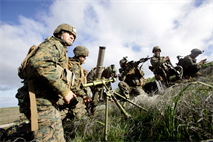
(66, 75)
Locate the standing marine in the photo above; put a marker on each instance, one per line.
(162, 67)
(190, 67)
(83, 95)
(44, 81)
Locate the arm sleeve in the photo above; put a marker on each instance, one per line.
(190, 63)
(90, 76)
(44, 63)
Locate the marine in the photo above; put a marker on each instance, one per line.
(131, 79)
(190, 67)
(162, 67)
(83, 95)
(108, 72)
(43, 83)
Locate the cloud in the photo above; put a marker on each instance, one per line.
(126, 28)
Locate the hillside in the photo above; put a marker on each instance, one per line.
(182, 113)
(9, 115)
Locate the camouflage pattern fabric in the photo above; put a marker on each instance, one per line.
(80, 109)
(77, 71)
(159, 63)
(81, 51)
(132, 82)
(190, 67)
(47, 85)
(50, 125)
(92, 76)
(133, 77)
(128, 91)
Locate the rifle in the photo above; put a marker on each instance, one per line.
(165, 77)
(171, 67)
(133, 64)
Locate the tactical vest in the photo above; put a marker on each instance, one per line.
(82, 78)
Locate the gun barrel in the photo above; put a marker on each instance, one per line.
(100, 62)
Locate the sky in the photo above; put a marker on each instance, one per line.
(125, 27)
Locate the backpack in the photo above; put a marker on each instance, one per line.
(22, 73)
(25, 94)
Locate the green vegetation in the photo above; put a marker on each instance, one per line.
(183, 113)
(187, 117)
(150, 79)
(207, 65)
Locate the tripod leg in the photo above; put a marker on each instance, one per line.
(121, 108)
(106, 117)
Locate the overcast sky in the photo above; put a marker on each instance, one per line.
(125, 27)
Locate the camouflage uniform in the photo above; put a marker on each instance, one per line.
(132, 82)
(92, 76)
(80, 108)
(106, 73)
(48, 84)
(190, 67)
(160, 67)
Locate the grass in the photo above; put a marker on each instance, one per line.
(183, 113)
(187, 116)
(9, 115)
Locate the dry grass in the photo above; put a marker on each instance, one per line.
(9, 115)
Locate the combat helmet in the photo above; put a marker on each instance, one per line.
(156, 48)
(81, 51)
(111, 70)
(196, 51)
(65, 27)
(123, 61)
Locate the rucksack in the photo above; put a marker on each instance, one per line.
(22, 69)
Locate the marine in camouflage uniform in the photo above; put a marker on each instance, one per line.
(132, 79)
(75, 63)
(48, 84)
(190, 67)
(161, 69)
(108, 72)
